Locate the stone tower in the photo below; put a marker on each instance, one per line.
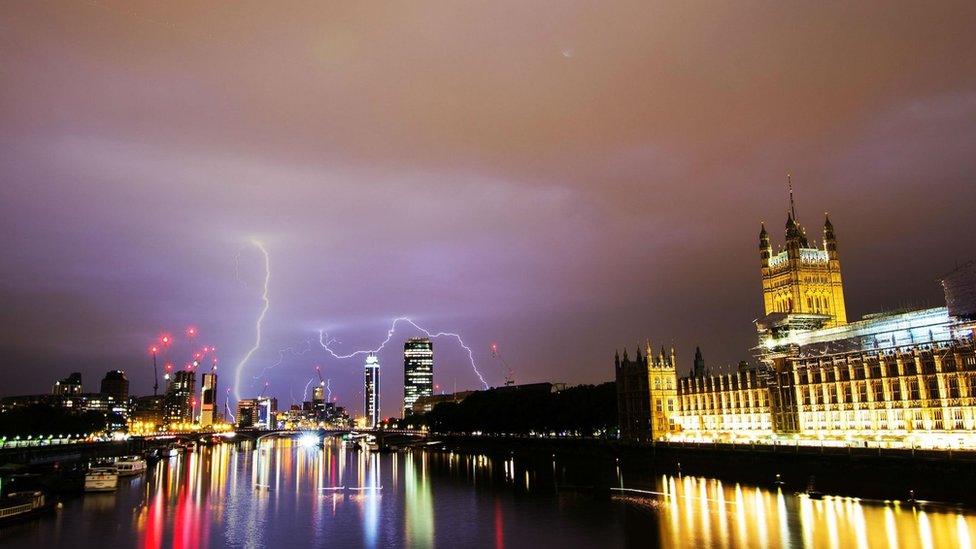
(802, 278)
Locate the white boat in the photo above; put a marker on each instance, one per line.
(102, 478)
(130, 465)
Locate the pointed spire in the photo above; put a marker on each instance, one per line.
(789, 182)
(762, 230)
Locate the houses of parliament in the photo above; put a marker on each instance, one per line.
(902, 378)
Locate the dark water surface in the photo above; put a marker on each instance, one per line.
(280, 493)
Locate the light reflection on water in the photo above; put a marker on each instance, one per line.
(257, 495)
(704, 512)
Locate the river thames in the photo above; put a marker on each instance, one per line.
(281, 491)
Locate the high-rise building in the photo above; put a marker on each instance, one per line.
(115, 385)
(267, 411)
(247, 412)
(68, 386)
(418, 372)
(371, 391)
(803, 279)
(208, 399)
(179, 397)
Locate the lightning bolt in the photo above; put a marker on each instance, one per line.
(227, 407)
(328, 387)
(325, 342)
(237, 269)
(257, 325)
(305, 392)
(281, 357)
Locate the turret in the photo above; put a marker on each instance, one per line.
(794, 237)
(699, 367)
(830, 239)
(765, 248)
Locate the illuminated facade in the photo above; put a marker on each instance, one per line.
(731, 403)
(646, 394)
(418, 373)
(371, 391)
(903, 378)
(178, 404)
(208, 399)
(802, 278)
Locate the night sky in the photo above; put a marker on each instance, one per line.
(563, 178)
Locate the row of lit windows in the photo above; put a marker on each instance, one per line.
(880, 420)
(898, 389)
(722, 401)
(873, 368)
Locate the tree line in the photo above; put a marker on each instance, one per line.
(584, 410)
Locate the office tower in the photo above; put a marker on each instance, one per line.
(70, 385)
(208, 399)
(179, 397)
(247, 412)
(115, 385)
(267, 411)
(371, 391)
(418, 372)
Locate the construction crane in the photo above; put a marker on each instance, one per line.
(318, 372)
(506, 369)
(263, 389)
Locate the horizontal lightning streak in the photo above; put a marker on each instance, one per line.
(325, 343)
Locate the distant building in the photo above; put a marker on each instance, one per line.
(418, 373)
(115, 385)
(70, 385)
(148, 410)
(267, 412)
(371, 391)
(179, 397)
(646, 395)
(208, 399)
(247, 412)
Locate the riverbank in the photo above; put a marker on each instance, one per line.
(872, 473)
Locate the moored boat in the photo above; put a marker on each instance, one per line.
(102, 478)
(130, 465)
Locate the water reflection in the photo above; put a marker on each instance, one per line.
(698, 511)
(266, 493)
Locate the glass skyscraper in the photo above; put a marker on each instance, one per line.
(418, 372)
(371, 391)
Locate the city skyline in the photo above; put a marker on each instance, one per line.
(136, 181)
